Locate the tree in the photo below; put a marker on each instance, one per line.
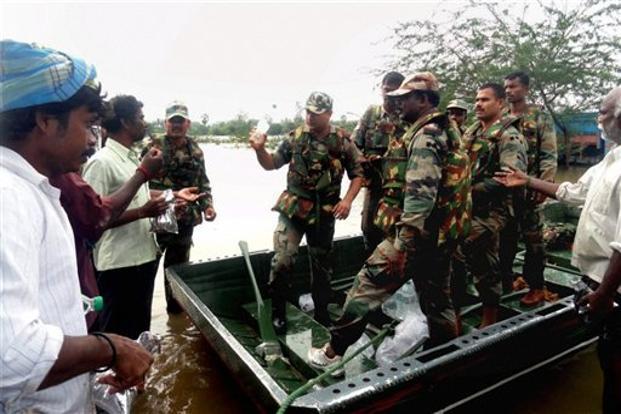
(571, 51)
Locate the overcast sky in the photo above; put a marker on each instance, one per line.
(222, 58)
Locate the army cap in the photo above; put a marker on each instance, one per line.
(457, 104)
(177, 108)
(319, 102)
(422, 81)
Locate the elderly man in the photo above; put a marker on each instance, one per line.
(311, 202)
(433, 191)
(49, 105)
(597, 246)
(371, 136)
(184, 166)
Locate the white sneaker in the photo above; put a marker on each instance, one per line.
(318, 359)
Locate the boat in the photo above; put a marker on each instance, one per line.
(219, 297)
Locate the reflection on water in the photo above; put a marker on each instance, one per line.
(188, 377)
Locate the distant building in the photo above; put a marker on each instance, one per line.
(587, 147)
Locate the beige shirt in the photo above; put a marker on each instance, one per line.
(132, 244)
(599, 229)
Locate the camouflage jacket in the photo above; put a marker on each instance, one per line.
(316, 169)
(372, 135)
(436, 203)
(501, 145)
(537, 128)
(183, 167)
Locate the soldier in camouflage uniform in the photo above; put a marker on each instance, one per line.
(457, 111)
(184, 166)
(435, 199)
(492, 142)
(318, 154)
(371, 136)
(538, 130)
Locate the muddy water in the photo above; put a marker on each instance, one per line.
(188, 377)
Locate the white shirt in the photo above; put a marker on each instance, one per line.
(131, 244)
(599, 227)
(39, 292)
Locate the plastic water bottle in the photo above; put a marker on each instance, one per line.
(94, 304)
(262, 126)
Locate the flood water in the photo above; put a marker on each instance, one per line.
(188, 377)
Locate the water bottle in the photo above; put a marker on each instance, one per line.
(262, 126)
(94, 304)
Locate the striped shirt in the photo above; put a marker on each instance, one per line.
(39, 290)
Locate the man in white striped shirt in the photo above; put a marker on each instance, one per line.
(597, 246)
(48, 107)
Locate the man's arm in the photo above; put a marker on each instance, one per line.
(422, 181)
(80, 354)
(257, 142)
(512, 155)
(548, 154)
(601, 301)
(353, 166)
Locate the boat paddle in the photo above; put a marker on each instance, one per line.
(269, 349)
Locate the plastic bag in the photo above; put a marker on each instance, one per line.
(166, 222)
(411, 333)
(357, 365)
(306, 302)
(402, 302)
(121, 402)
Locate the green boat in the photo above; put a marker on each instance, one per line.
(219, 297)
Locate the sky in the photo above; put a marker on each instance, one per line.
(223, 58)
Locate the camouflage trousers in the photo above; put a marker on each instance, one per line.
(372, 235)
(287, 238)
(528, 224)
(477, 256)
(381, 276)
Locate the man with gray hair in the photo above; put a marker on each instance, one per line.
(597, 246)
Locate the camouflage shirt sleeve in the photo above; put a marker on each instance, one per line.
(512, 152)
(203, 181)
(548, 155)
(422, 181)
(282, 155)
(352, 159)
(361, 129)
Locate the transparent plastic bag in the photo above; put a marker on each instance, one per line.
(166, 222)
(411, 333)
(121, 402)
(402, 302)
(357, 365)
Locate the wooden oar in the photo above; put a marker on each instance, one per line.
(270, 344)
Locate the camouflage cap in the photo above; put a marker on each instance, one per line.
(177, 108)
(422, 81)
(457, 104)
(319, 102)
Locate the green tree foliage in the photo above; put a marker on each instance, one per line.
(571, 50)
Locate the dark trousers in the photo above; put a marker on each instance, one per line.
(609, 354)
(128, 295)
(176, 250)
(528, 225)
